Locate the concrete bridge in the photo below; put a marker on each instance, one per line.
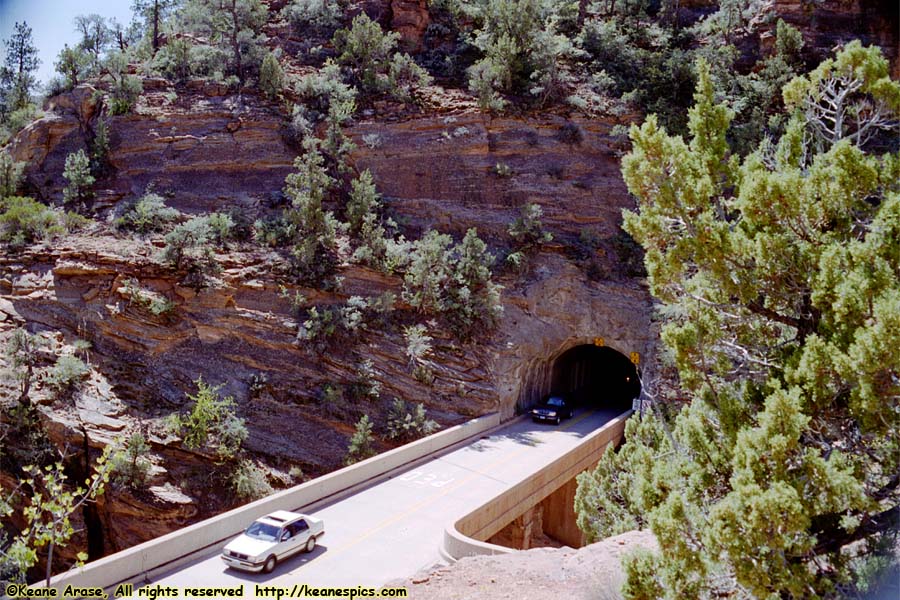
(442, 497)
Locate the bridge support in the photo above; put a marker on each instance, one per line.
(553, 486)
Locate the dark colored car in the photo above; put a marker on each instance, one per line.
(554, 407)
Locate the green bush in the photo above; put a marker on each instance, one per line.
(80, 180)
(189, 248)
(274, 232)
(326, 324)
(24, 221)
(234, 32)
(324, 92)
(22, 358)
(221, 228)
(99, 147)
(10, 175)
(418, 348)
(271, 76)
(527, 231)
(523, 52)
(453, 281)
(365, 387)
(361, 443)
(648, 63)
(364, 202)
(154, 302)
(503, 170)
(125, 88)
(73, 64)
(148, 215)
(248, 481)
(368, 52)
(173, 61)
(313, 229)
(67, 372)
(318, 16)
(130, 467)
(212, 423)
(408, 422)
(405, 77)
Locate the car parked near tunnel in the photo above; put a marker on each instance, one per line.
(553, 408)
(271, 539)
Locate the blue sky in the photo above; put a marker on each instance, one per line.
(52, 23)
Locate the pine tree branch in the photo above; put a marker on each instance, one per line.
(832, 537)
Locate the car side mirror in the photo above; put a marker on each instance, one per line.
(285, 536)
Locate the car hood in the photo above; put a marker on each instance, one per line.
(249, 546)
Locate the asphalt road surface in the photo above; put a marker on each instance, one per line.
(394, 528)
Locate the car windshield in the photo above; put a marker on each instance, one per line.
(555, 401)
(262, 531)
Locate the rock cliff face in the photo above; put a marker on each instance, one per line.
(410, 18)
(829, 23)
(206, 150)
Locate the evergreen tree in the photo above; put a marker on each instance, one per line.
(72, 64)
(779, 278)
(17, 78)
(154, 13)
(78, 175)
(360, 447)
(313, 229)
(234, 27)
(95, 39)
(271, 76)
(10, 175)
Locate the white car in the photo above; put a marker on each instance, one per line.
(272, 538)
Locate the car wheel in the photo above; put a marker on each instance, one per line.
(270, 564)
(311, 544)
(571, 413)
(558, 419)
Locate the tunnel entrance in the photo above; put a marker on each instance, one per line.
(596, 377)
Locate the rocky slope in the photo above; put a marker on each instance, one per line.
(593, 572)
(208, 148)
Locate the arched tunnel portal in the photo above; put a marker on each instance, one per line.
(596, 377)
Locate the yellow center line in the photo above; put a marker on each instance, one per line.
(430, 500)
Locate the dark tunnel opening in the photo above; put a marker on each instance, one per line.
(596, 377)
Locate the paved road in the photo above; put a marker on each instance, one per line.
(394, 528)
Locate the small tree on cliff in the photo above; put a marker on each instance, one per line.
(212, 423)
(780, 281)
(313, 229)
(78, 174)
(271, 76)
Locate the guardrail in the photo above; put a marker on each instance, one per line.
(142, 561)
(466, 536)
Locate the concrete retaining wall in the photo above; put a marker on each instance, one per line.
(137, 563)
(466, 536)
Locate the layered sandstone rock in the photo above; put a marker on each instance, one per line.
(829, 24)
(410, 18)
